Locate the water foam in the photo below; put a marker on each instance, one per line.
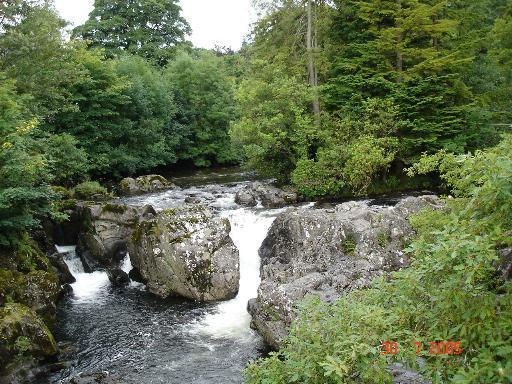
(88, 286)
(249, 228)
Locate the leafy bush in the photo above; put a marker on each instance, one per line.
(24, 171)
(68, 163)
(89, 190)
(451, 292)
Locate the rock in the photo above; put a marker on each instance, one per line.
(39, 290)
(403, 375)
(186, 252)
(144, 184)
(246, 197)
(270, 196)
(66, 291)
(61, 269)
(22, 332)
(328, 252)
(118, 278)
(504, 266)
(136, 276)
(102, 243)
(192, 200)
(95, 378)
(66, 233)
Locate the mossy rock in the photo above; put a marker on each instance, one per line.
(23, 334)
(38, 290)
(114, 208)
(144, 184)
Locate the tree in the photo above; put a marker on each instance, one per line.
(204, 97)
(33, 51)
(24, 171)
(148, 28)
(274, 126)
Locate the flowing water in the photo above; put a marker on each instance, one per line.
(140, 338)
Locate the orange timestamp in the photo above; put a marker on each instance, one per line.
(436, 348)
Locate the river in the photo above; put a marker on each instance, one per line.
(140, 338)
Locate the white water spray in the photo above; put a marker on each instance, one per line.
(231, 319)
(88, 286)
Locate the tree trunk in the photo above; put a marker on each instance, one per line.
(312, 70)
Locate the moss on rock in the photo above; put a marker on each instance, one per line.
(23, 334)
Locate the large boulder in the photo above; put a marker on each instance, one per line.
(186, 252)
(38, 290)
(269, 196)
(106, 228)
(23, 333)
(144, 184)
(328, 252)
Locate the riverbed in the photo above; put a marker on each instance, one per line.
(139, 338)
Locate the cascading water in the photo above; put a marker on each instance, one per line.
(88, 286)
(143, 339)
(248, 230)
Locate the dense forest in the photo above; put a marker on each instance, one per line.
(337, 98)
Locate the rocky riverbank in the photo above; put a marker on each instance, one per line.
(327, 253)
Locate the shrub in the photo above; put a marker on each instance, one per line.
(451, 292)
(89, 190)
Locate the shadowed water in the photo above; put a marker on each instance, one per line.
(140, 338)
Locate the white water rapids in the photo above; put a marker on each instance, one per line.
(195, 342)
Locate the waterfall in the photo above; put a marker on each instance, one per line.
(89, 287)
(231, 319)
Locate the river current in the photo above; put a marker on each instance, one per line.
(142, 339)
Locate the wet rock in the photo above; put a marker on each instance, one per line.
(186, 252)
(269, 196)
(118, 278)
(246, 197)
(22, 332)
(144, 184)
(106, 228)
(61, 269)
(66, 291)
(193, 200)
(95, 378)
(136, 276)
(328, 252)
(40, 290)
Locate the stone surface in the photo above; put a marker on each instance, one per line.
(328, 252)
(118, 278)
(23, 332)
(106, 228)
(61, 268)
(186, 252)
(504, 266)
(144, 184)
(403, 375)
(269, 196)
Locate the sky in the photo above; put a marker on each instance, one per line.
(213, 22)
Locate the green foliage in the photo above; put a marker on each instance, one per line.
(148, 28)
(33, 51)
(89, 190)
(450, 292)
(419, 76)
(69, 164)
(24, 172)
(204, 96)
(274, 127)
